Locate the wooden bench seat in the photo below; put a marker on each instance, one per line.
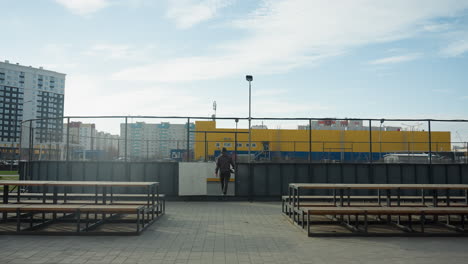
(32, 218)
(371, 197)
(399, 217)
(61, 195)
(111, 208)
(67, 208)
(384, 210)
(10, 207)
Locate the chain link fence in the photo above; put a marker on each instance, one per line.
(156, 138)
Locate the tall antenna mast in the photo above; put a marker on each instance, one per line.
(214, 109)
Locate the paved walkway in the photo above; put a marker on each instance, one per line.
(228, 232)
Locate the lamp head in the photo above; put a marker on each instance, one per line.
(249, 78)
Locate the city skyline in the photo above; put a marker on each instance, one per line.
(359, 59)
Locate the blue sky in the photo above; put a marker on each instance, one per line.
(363, 58)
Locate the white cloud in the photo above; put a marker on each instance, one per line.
(119, 51)
(269, 92)
(283, 35)
(188, 13)
(456, 48)
(397, 59)
(84, 7)
(437, 27)
(88, 94)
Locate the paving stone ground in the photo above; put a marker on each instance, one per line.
(228, 232)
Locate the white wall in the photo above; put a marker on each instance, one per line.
(192, 177)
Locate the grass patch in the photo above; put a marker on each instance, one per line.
(8, 172)
(10, 176)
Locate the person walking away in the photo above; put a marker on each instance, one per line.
(223, 165)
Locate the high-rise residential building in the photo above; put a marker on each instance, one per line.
(107, 142)
(154, 140)
(87, 143)
(30, 93)
(81, 135)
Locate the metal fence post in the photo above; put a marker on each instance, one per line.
(310, 140)
(430, 141)
(431, 173)
(127, 176)
(30, 149)
(206, 148)
(67, 155)
(147, 149)
(68, 139)
(188, 140)
(126, 129)
(370, 140)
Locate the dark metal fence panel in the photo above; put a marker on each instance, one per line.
(260, 180)
(274, 180)
(119, 170)
(77, 174)
(422, 173)
(266, 180)
(453, 176)
(52, 170)
(62, 174)
(105, 170)
(242, 180)
(363, 176)
(90, 171)
(334, 173)
(302, 174)
(151, 172)
(137, 171)
(319, 174)
(438, 171)
(408, 176)
(168, 173)
(380, 173)
(464, 174)
(453, 173)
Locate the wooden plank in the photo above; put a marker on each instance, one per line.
(111, 208)
(79, 183)
(26, 195)
(50, 207)
(24, 183)
(10, 207)
(102, 183)
(369, 197)
(379, 186)
(385, 210)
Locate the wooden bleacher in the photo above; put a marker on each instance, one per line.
(388, 215)
(79, 213)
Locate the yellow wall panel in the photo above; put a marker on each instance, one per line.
(322, 140)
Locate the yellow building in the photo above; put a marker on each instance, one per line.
(326, 144)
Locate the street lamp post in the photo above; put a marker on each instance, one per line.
(380, 138)
(249, 78)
